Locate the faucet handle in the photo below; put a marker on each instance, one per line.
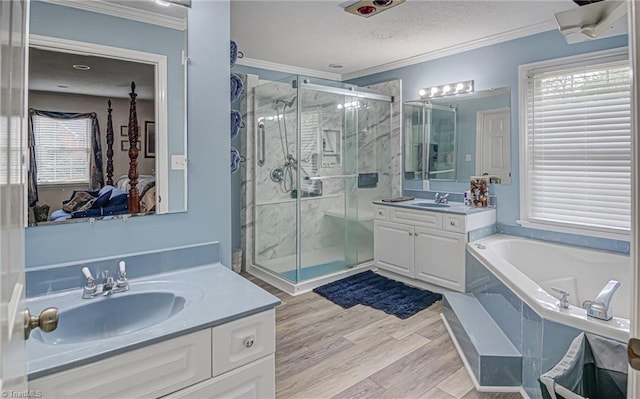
(122, 277)
(88, 276)
(564, 301)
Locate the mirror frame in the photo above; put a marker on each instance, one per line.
(160, 101)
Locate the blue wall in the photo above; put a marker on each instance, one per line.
(208, 217)
(491, 67)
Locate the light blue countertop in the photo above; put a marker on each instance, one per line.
(214, 295)
(454, 207)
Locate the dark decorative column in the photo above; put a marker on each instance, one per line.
(109, 146)
(134, 195)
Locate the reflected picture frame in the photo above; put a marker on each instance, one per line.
(149, 139)
(124, 130)
(124, 145)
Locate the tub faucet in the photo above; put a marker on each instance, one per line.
(600, 308)
(564, 301)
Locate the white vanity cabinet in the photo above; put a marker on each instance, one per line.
(231, 360)
(425, 245)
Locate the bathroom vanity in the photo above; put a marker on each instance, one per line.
(219, 343)
(425, 241)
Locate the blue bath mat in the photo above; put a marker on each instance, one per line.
(378, 292)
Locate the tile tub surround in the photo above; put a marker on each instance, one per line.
(219, 296)
(45, 280)
(542, 342)
(603, 244)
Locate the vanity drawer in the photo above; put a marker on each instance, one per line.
(418, 218)
(148, 372)
(382, 212)
(255, 380)
(242, 341)
(453, 223)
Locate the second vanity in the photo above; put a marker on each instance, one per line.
(197, 332)
(425, 241)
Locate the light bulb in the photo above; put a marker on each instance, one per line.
(446, 89)
(422, 92)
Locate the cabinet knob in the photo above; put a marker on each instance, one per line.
(249, 341)
(410, 234)
(453, 223)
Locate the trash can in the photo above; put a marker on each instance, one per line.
(594, 367)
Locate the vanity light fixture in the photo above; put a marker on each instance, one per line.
(368, 8)
(450, 89)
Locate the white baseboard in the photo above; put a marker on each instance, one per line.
(303, 286)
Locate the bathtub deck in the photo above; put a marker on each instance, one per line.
(324, 351)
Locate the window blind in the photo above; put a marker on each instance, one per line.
(579, 147)
(62, 149)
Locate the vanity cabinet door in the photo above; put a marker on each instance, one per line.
(148, 372)
(255, 380)
(439, 257)
(393, 247)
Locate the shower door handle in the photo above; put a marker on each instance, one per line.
(262, 144)
(329, 177)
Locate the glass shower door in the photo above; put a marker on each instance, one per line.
(327, 178)
(275, 238)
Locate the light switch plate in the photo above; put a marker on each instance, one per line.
(178, 162)
(467, 157)
(425, 185)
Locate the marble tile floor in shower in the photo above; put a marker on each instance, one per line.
(325, 351)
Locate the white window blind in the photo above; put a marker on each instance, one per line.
(578, 143)
(62, 149)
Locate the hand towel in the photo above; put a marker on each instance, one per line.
(235, 160)
(236, 87)
(234, 53)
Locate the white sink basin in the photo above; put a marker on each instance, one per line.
(111, 316)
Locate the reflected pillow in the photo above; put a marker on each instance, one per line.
(102, 200)
(118, 200)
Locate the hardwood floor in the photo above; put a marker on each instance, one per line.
(325, 351)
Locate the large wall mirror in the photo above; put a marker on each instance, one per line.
(453, 138)
(85, 61)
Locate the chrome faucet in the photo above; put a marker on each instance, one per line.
(109, 287)
(442, 199)
(600, 308)
(564, 301)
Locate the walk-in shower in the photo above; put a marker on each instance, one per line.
(321, 156)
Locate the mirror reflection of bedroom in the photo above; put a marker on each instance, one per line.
(80, 123)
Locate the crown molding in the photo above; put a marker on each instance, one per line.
(471, 45)
(122, 11)
(273, 66)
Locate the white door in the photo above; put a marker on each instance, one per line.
(634, 53)
(393, 247)
(493, 143)
(12, 190)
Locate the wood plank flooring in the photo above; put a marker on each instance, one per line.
(326, 352)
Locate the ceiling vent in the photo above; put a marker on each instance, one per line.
(369, 8)
(593, 20)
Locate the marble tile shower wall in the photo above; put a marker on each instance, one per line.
(541, 342)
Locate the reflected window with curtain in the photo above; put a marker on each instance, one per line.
(64, 148)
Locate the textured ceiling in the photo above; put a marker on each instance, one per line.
(315, 33)
(107, 77)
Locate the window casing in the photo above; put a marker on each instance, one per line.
(62, 150)
(575, 144)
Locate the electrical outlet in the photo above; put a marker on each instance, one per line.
(425, 185)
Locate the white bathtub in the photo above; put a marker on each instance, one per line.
(531, 267)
